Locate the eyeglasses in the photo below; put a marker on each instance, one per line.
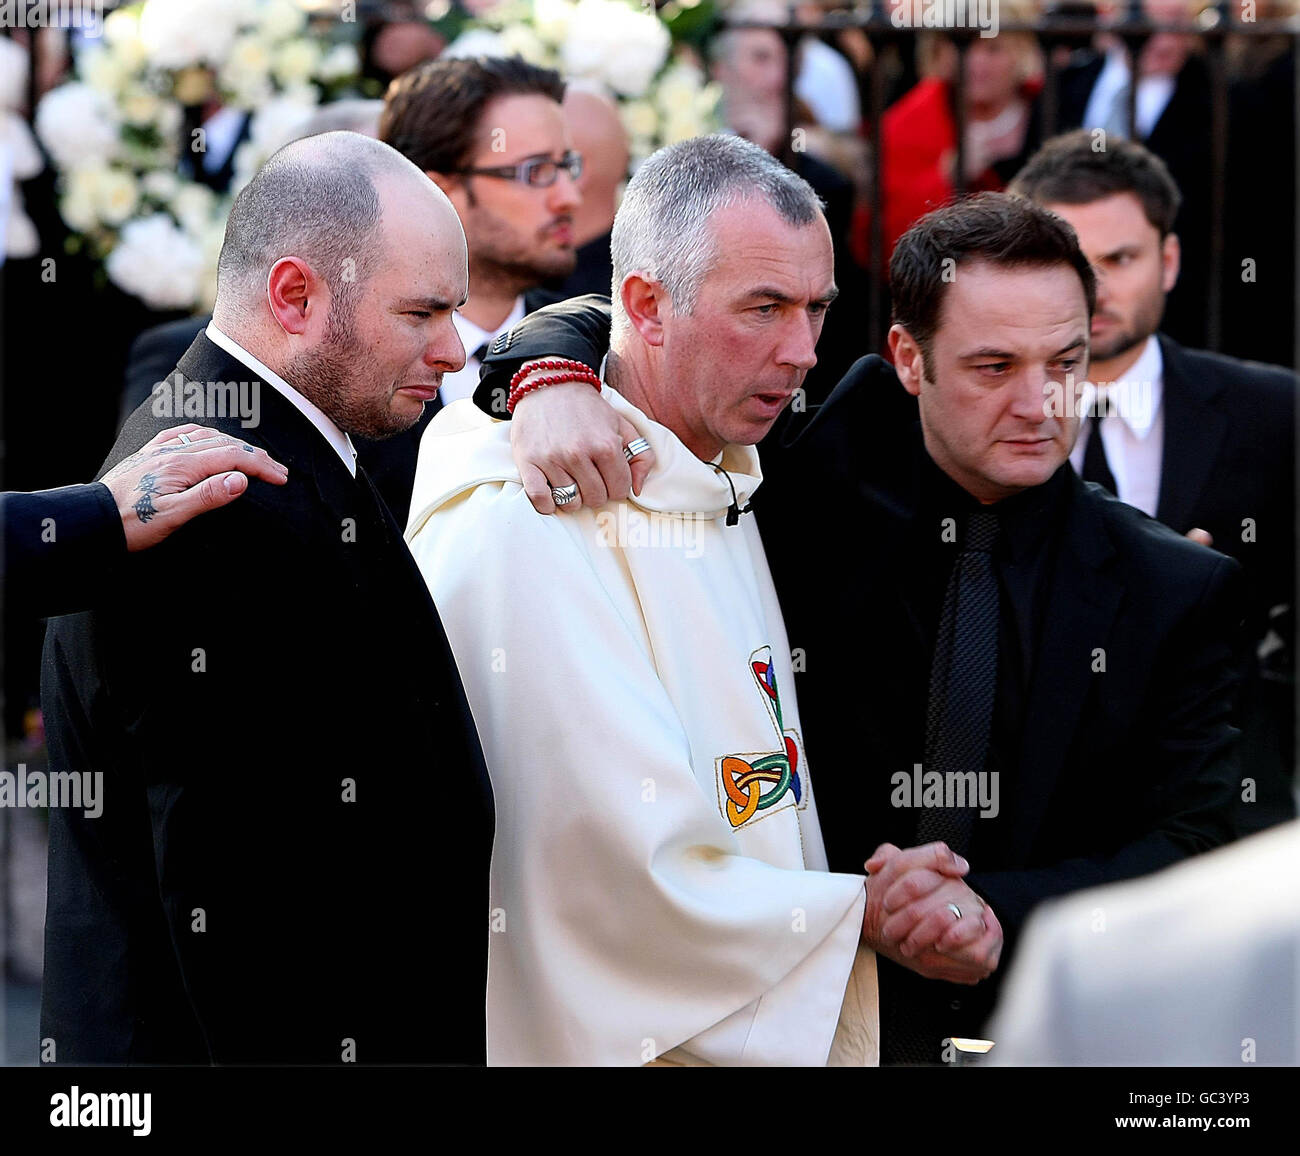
(536, 172)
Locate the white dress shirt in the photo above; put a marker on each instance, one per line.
(1132, 430)
(222, 130)
(329, 431)
(1153, 95)
(827, 85)
(464, 382)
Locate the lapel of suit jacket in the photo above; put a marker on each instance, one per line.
(1081, 608)
(1075, 88)
(888, 517)
(1188, 104)
(915, 539)
(1194, 429)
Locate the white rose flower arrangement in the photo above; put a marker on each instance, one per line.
(20, 159)
(114, 132)
(619, 45)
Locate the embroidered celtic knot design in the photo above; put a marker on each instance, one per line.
(755, 783)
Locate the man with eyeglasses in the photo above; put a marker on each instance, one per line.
(491, 133)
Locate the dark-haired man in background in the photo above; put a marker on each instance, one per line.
(1197, 440)
(491, 133)
(967, 607)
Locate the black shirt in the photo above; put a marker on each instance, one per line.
(1022, 558)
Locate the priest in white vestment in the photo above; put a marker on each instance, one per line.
(660, 889)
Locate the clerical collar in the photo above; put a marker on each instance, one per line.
(341, 443)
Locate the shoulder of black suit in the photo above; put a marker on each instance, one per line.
(1155, 549)
(1209, 373)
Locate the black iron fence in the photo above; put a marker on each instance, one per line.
(1071, 26)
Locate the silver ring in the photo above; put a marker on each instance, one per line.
(563, 495)
(955, 909)
(634, 447)
(185, 439)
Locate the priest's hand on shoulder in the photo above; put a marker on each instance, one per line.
(910, 919)
(568, 434)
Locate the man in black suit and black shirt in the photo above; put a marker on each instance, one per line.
(291, 779)
(1199, 441)
(967, 607)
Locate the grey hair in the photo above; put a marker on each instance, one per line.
(663, 228)
(316, 199)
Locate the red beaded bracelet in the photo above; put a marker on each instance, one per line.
(553, 379)
(521, 391)
(556, 363)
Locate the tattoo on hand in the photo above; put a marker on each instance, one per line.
(144, 507)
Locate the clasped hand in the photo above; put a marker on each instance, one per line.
(908, 918)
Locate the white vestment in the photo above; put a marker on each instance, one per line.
(1196, 965)
(659, 883)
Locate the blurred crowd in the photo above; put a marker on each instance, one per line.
(825, 134)
(885, 128)
(1015, 94)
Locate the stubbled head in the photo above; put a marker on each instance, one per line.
(340, 269)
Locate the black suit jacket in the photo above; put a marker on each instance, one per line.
(390, 462)
(1126, 759)
(296, 830)
(1259, 313)
(154, 354)
(1118, 772)
(52, 539)
(1074, 85)
(1229, 458)
(1228, 466)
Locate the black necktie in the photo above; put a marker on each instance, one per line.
(1095, 466)
(480, 353)
(914, 1020)
(963, 681)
